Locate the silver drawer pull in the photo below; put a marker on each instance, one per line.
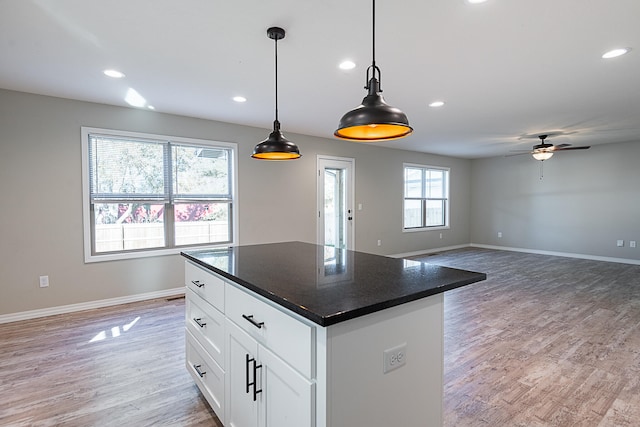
(197, 283)
(199, 322)
(253, 322)
(197, 368)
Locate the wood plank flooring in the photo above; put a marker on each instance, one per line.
(117, 366)
(544, 341)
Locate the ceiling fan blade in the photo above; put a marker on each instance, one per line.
(561, 146)
(581, 147)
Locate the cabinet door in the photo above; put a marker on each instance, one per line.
(287, 397)
(241, 408)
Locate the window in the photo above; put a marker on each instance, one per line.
(426, 197)
(150, 194)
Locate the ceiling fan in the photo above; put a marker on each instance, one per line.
(544, 150)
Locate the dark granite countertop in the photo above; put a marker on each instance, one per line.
(327, 285)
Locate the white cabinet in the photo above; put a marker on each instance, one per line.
(206, 324)
(261, 365)
(205, 335)
(262, 389)
(253, 362)
(289, 338)
(207, 374)
(288, 397)
(244, 384)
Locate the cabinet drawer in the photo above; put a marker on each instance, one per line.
(206, 324)
(208, 376)
(286, 336)
(209, 286)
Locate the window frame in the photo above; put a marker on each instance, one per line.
(169, 223)
(446, 198)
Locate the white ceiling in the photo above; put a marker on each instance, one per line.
(506, 69)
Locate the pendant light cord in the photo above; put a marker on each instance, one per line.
(373, 67)
(373, 34)
(276, 123)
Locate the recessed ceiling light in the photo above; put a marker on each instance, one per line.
(347, 65)
(616, 52)
(475, 1)
(240, 99)
(114, 74)
(436, 104)
(151, 107)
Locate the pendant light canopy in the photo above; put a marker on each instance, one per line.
(374, 119)
(276, 146)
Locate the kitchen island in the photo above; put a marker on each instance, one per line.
(296, 334)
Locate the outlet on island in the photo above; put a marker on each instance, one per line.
(395, 357)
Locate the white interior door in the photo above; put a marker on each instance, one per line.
(335, 202)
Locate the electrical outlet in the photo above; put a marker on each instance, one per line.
(379, 242)
(632, 243)
(44, 281)
(441, 235)
(395, 358)
(499, 234)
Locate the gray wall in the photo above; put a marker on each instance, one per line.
(41, 207)
(586, 201)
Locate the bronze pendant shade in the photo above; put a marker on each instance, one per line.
(374, 119)
(276, 146)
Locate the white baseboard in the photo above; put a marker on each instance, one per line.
(530, 251)
(563, 254)
(32, 314)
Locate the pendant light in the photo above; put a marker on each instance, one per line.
(276, 146)
(374, 119)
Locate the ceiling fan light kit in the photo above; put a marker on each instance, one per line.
(542, 155)
(276, 146)
(374, 119)
(544, 150)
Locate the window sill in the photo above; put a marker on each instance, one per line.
(88, 258)
(415, 230)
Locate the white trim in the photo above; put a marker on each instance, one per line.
(530, 251)
(345, 163)
(418, 230)
(447, 199)
(562, 254)
(85, 131)
(32, 314)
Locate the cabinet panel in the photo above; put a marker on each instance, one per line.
(208, 376)
(206, 324)
(207, 285)
(289, 338)
(287, 396)
(242, 409)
